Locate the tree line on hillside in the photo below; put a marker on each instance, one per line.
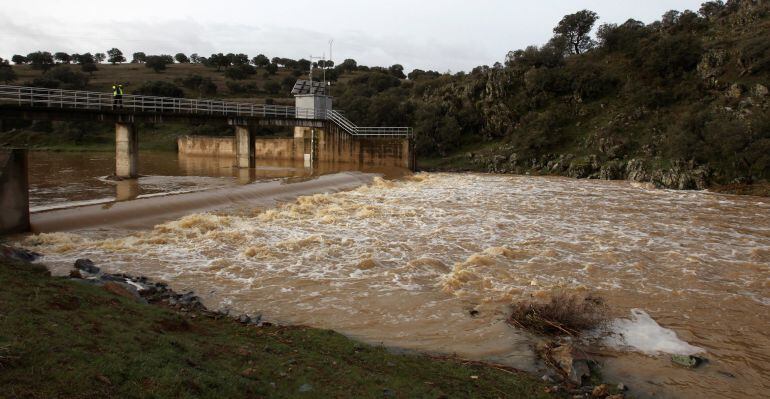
(236, 66)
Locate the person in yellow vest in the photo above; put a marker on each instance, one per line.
(117, 96)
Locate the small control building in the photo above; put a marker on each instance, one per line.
(311, 100)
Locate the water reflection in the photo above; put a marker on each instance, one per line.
(66, 179)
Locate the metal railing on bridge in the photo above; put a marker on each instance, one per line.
(100, 101)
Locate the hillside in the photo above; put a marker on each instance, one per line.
(682, 102)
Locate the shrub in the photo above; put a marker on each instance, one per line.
(62, 77)
(755, 55)
(241, 88)
(563, 314)
(204, 86)
(272, 87)
(160, 89)
(671, 56)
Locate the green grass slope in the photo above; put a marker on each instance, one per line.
(64, 339)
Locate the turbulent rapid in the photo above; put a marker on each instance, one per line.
(404, 262)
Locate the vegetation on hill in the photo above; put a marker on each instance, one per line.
(681, 102)
(66, 339)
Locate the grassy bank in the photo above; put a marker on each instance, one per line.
(59, 338)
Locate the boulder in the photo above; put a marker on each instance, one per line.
(87, 266)
(612, 170)
(735, 91)
(687, 361)
(759, 90)
(19, 254)
(121, 290)
(575, 365)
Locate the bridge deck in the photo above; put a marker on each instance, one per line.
(24, 99)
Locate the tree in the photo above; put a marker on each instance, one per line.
(575, 28)
(219, 61)
(349, 65)
(238, 59)
(195, 58)
(303, 65)
(115, 56)
(711, 9)
(19, 59)
(271, 68)
(83, 59)
(157, 62)
(62, 57)
(397, 70)
(260, 61)
(240, 72)
(89, 67)
(41, 60)
(100, 57)
(138, 58)
(7, 74)
(181, 58)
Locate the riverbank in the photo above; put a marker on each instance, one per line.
(665, 175)
(61, 338)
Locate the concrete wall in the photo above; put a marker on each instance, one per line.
(208, 146)
(280, 149)
(337, 146)
(330, 146)
(14, 191)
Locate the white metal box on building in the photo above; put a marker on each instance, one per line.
(312, 106)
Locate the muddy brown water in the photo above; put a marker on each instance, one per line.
(402, 262)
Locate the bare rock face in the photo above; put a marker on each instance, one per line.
(682, 176)
(712, 65)
(735, 91)
(759, 91)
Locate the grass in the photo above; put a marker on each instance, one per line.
(64, 339)
(563, 314)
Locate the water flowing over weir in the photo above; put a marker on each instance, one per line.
(403, 262)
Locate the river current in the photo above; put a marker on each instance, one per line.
(403, 262)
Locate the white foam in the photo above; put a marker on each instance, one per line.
(643, 334)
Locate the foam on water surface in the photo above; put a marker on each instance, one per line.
(643, 334)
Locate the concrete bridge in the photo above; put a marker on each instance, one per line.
(34, 103)
(320, 133)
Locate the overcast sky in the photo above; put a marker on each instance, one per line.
(428, 34)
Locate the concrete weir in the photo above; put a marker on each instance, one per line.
(14, 191)
(308, 144)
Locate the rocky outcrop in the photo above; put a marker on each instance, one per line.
(679, 175)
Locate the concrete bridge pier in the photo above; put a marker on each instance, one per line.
(245, 156)
(14, 191)
(126, 150)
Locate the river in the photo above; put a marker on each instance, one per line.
(403, 262)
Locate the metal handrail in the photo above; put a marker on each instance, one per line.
(89, 100)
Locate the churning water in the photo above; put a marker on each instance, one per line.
(403, 262)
